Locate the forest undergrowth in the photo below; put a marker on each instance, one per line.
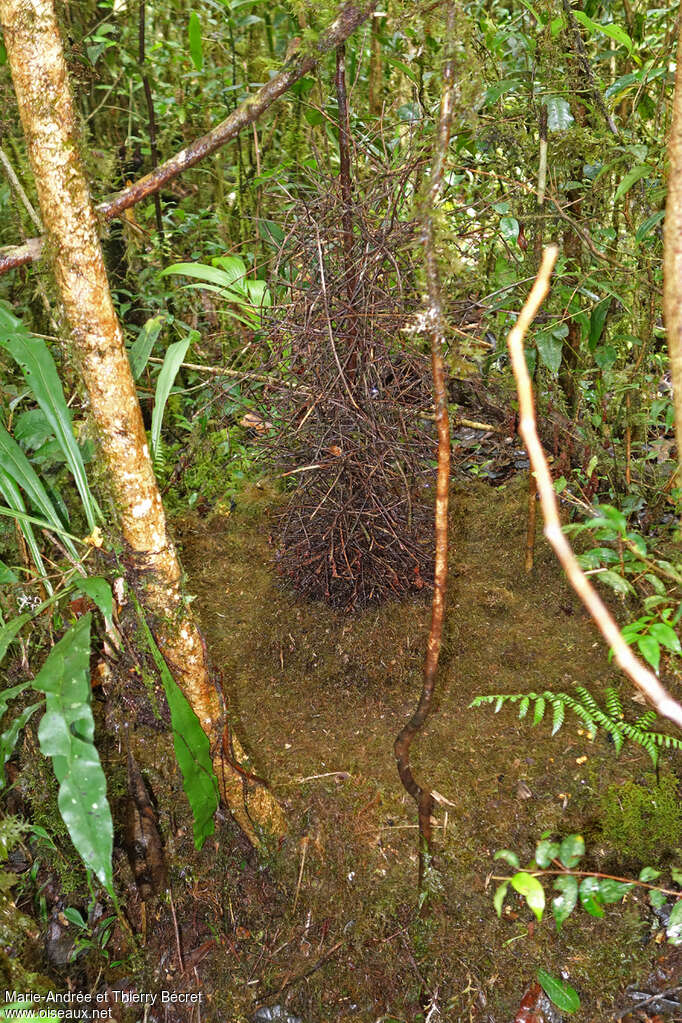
(320, 695)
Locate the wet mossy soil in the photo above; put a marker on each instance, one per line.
(326, 926)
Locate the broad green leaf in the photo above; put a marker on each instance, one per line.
(597, 321)
(605, 356)
(676, 874)
(617, 583)
(559, 116)
(192, 749)
(571, 850)
(545, 852)
(498, 898)
(613, 31)
(666, 636)
(196, 50)
(650, 650)
(613, 891)
(674, 929)
(564, 903)
(508, 856)
(589, 896)
(649, 874)
(66, 734)
(99, 591)
(171, 364)
(32, 429)
(499, 89)
(7, 575)
(559, 992)
(218, 275)
(509, 228)
(74, 917)
(647, 226)
(41, 375)
(141, 348)
(531, 889)
(549, 350)
(656, 898)
(634, 175)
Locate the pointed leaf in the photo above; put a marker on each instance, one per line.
(196, 50)
(66, 735)
(545, 852)
(498, 898)
(564, 903)
(171, 364)
(531, 889)
(589, 896)
(674, 929)
(571, 850)
(142, 347)
(559, 992)
(192, 749)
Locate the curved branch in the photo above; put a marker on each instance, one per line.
(350, 17)
(642, 677)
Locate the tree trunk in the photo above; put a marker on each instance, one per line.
(672, 255)
(45, 104)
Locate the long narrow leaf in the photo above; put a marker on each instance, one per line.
(41, 375)
(10, 491)
(192, 748)
(171, 364)
(142, 347)
(16, 464)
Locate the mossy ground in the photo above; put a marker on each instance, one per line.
(318, 698)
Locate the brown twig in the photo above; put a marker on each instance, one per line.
(435, 325)
(642, 677)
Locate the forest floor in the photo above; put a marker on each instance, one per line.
(326, 927)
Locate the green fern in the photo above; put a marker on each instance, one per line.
(610, 718)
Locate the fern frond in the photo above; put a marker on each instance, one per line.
(559, 712)
(539, 711)
(613, 703)
(609, 719)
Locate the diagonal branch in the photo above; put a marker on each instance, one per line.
(349, 18)
(643, 678)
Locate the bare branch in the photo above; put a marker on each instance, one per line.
(350, 17)
(435, 325)
(642, 677)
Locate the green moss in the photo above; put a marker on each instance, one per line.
(643, 822)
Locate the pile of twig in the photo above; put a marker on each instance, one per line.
(354, 432)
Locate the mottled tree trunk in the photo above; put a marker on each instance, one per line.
(45, 104)
(672, 255)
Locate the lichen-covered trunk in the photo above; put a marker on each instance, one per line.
(40, 79)
(672, 255)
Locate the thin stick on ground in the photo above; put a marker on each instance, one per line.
(642, 677)
(435, 325)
